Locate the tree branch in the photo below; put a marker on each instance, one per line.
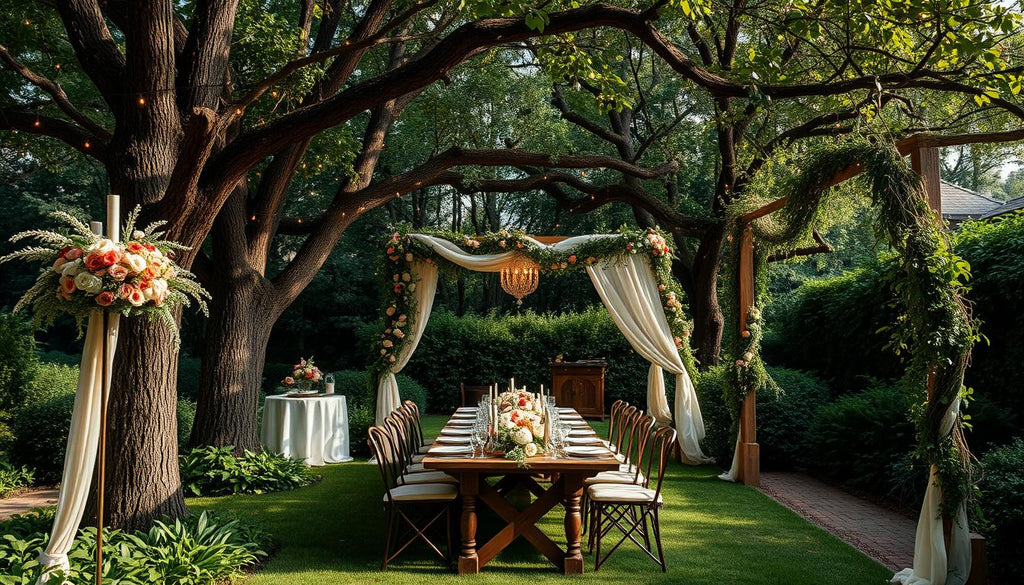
(205, 58)
(569, 115)
(74, 136)
(95, 48)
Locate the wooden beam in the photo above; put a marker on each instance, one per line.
(925, 162)
(750, 451)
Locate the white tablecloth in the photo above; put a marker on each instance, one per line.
(314, 429)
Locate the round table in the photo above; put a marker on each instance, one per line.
(311, 428)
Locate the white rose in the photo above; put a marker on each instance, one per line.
(71, 268)
(505, 419)
(102, 246)
(522, 436)
(530, 449)
(156, 291)
(136, 262)
(138, 235)
(88, 283)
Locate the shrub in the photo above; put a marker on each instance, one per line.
(18, 360)
(198, 550)
(273, 373)
(59, 357)
(188, 378)
(486, 349)
(186, 416)
(360, 419)
(861, 439)
(784, 421)
(51, 379)
(353, 384)
(214, 471)
(719, 438)
(1002, 503)
(13, 478)
(41, 433)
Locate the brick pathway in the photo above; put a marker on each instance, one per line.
(26, 501)
(878, 532)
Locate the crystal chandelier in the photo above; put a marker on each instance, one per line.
(520, 277)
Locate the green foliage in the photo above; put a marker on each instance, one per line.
(214, 471)
(784, 421)
(51, 380)
(861, 438)
(360, 419)
(13, 478)
(188, 378)
(1002, 504)
(186, 416)
(18, 360)
(483, 349)
(719, 434)
(41, 433)
(198, 550)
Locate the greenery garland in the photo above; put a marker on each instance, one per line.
(401, 251)
(935, 329)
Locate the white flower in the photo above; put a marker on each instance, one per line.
(408, 256)
(406, 277)
(102, 246)
(71, 268)
(505, 419)
(156, 291)
(530, 449)
(138, 235)
(136, 262)
(89, 283)
(522, 436)
(412, 287)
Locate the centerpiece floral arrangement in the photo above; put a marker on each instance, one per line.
(304, 375)
(519, 431)
(84, 272)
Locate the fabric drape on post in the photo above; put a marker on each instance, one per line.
(83, 440)
(932, 566)
(388, 398)
(630, 293)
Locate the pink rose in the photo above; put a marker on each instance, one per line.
(288, 381)
(67, 285)
(132, 294)
(118, 272)
(105, 299)
(74, 254)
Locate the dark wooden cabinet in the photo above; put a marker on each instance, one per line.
(579, 385)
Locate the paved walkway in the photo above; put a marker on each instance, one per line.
(26, 501)
(878, 532)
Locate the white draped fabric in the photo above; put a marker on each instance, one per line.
(629, 292)
(425, 276)
(83, 440)
(932, 566)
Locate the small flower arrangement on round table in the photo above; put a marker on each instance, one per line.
(304, 379)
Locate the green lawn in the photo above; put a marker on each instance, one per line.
(714, 532)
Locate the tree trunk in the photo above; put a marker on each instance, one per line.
(142, 481)
(707, 314)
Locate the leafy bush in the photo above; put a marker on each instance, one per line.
(18, 360)
(13, 478)
(360, 419)
(41, 434)
(1002, 503)
(198, 550)
(354, 385)
(188, 378)
(719, 436)
(784, 421)
(186, 416)
(862, 439)
(6, 434)
(214, 471)
(51, 379)
(485, 349)
(59, 357)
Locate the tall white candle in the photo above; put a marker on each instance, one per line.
(96, 227)
(114, 217)
(512, 384)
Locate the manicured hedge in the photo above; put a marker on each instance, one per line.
(1002, 504)
(485, 349)
(18, 361)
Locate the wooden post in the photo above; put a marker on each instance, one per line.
(925, 162)
(750, 451)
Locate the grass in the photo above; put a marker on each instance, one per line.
(714, 532)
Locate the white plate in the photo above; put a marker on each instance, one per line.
(453, 440)
(464, 416)
(450, 450)
(465, 409)
(578, 424)
(582, 451)
(576, 433)
(585, 441)
(457, 432)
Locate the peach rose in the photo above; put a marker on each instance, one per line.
(67, 285)
(105, 298)
(117, 272)
(74, 254)
(288, 380)
(132, 294)
(94, 262)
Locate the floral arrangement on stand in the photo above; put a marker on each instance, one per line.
(304, 375)
(519, 432)
(400, 252)
(84, 272)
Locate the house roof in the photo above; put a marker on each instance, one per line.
(1011, 205)
(959, 203)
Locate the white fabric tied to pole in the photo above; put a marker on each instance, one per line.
(932, 566)
(425, 276)
(83, 440)
(630, 293)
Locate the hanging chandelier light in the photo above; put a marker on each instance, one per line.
(520, 277)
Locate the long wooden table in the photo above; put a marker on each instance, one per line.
(566, 489)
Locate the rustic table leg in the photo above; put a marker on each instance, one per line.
(573, 484)
(469, 486)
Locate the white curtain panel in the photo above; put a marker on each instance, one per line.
(425, 276)
(83, 442)
(630, 293)
(932, 566)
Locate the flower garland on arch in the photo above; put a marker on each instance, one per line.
(936, 329)
(83, 272)
(400, 252)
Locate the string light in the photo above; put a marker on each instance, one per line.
(28, 22)
(253, 218)
(87, 145)
(238, 111)
(273, 94)
(37, 123)
(57, 66)
(141, 101)
(300, 220)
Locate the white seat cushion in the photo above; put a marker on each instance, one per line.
(620, 456)
(418, 458)
(610, 492)
(415, 468)
(614, 477)
(427, 477)
(423, 449)
(423, 492)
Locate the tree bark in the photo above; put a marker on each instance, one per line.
(707, 314)
(142, 481)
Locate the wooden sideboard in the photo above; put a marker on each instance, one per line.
(579, 385)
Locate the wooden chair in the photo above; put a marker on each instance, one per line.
(416, 428)
(472, 393)
(407, 469)
(413, 508)
(628, 508)
(613, 420)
